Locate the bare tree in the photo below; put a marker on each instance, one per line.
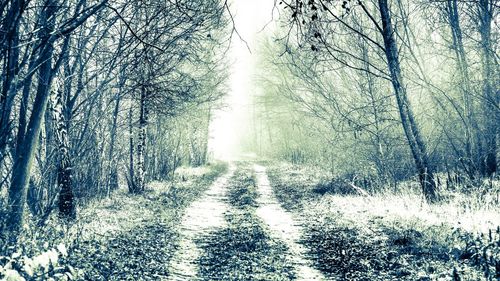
(486, 12)
(47, 38)
(315, 22)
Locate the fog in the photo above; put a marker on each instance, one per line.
(231, 126)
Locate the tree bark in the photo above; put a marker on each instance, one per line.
(412, 132)
(9, 36)
(64, 168)
(131, 176)
(473, 140)
(23, 111)
(22, 164)
(141, 142)
(490, 97)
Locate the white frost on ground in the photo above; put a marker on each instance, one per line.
(201, 217)
(283, 227)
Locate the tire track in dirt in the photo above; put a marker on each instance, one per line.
(201, 217)
(243, 249)
(283, 227)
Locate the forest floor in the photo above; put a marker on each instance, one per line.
(134, 237)
(392, 235)
(231, 229)
(271, 221)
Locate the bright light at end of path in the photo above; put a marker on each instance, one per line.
(222, 143)
(231, 124)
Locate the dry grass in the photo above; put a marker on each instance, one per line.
(141, 227)
(459, 213)
(123, 211)
(406, 238)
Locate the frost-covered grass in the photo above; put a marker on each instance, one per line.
(394, 235)
(410, 208)
(123, 211)
(124, 236)
(185, 172)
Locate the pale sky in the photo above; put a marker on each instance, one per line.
(229, 125)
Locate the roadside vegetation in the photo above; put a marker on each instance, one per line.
(124, 237)
(392, 234)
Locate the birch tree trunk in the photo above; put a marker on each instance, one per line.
(141, 142)
(64, 169)
(206, 136)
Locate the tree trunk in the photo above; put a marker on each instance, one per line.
(112, 180)
(412, 132)
(23, 162)
(491, 97)
(193, 145)
(10, 83)
(206, 137)
(472, 132)
(141, 142)
(131, 175)
(64, 169)
(23, 111)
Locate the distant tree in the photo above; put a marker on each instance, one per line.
(478, 122)
(173, 38)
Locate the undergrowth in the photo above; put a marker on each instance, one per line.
(340, 252)
(124, 236)
(140, 254)
(392, 235)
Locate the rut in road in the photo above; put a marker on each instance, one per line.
(283, 226)
(201, 217)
